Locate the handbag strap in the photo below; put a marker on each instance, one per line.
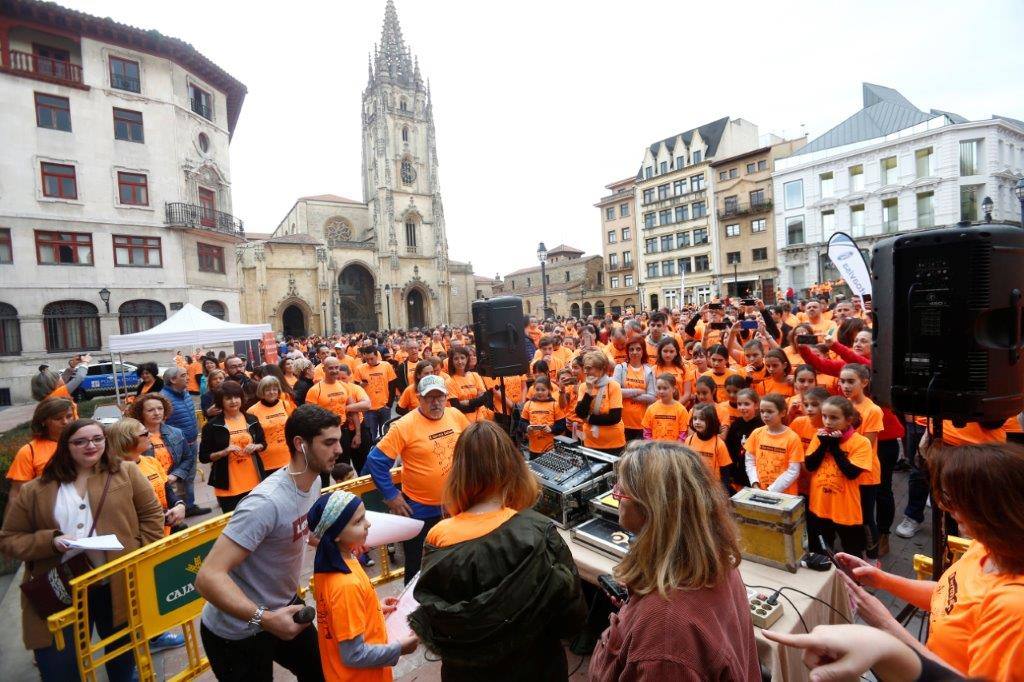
(99, 507)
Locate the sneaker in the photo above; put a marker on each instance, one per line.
(816, 562)
(908, 527)
(168, 640)
(366, 561)
(196, 511)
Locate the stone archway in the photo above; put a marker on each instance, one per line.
(293, 322)
(416, 309)
(355, 292)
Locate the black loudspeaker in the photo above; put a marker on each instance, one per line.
(948, 322)
(498, 328)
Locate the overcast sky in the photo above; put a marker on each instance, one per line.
(539, 104)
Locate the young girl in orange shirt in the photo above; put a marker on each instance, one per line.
(704, 438)
(774, 451)
(705, 391)
(665, 419)
(720, 370)
(776, 377)
(836, 457)
(544, 418)
(854, 379)
(804, 379)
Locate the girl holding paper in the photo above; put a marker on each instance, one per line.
(350, 619)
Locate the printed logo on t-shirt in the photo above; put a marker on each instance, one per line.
(300, 528)
(441, 434)
(951, 595)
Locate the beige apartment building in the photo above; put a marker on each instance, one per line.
(746, 226)
(618, 247)
(674, 197)
(571, 278)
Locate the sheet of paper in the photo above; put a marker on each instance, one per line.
(388, 528)
(396, 622)
(105, 543)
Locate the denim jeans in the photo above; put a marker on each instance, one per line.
(918, 486)
(62, 666)
(189, 485)
(413, 549)
(375, 419)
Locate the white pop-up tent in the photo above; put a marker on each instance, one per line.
(190, 326)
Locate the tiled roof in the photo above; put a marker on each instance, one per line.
(565, 248)
(330, 198)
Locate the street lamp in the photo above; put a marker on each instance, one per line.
(105, 297)
(583, 300)
(323, 316)
(986, 208)
(1019, 191)
(387, 301)
(542, 255)
(735, 279)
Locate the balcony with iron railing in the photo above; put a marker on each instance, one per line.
(123, 82)
(672, 199)
(615, 267)
(203, 218)
(735, 210)
(200, 108)
(44, 68)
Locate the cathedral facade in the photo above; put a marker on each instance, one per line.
(337, 265)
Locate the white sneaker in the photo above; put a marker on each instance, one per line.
(908, 527)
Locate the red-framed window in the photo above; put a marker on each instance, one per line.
(53, 112)
(128, 125)
(211, 258)
(63, 248)
(59, 181)
(208, 207)
(52, 61)
(6, 248)
(124, 74)
(71, 326)
(133, 189)
(137, 252)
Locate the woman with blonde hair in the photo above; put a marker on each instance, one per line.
(498, 588)
(687, 616)
(599, 406)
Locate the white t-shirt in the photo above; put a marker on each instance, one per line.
(74, 516)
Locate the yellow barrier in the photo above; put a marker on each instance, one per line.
(160, 584)
(923, 564)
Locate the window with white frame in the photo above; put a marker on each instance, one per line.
(793, 193)
(826, 184)
(614, 282)
(970, 155)
(857, 178)
(611, 236)
(890, 215)
(857, 220)
(732, 230)
(923, 162)
(628, 280)
(795, 230)
(888, 171)
(758, 225)
(828, 224)
(926, 209)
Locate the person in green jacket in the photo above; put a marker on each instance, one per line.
(498, 589)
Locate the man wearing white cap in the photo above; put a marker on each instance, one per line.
(425, 440)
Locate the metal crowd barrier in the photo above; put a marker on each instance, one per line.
(160, 594)
(923, 564)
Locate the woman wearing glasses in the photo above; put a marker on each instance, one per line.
(687, 616)
(65, 503)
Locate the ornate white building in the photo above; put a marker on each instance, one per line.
(338, 265)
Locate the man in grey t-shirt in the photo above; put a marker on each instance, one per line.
(250, 577)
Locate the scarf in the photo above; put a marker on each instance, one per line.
(595, 406)
(327, 518)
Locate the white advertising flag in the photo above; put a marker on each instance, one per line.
(848, 259)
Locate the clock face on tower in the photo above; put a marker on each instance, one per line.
(408, 173)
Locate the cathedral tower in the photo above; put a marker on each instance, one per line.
(400, 178)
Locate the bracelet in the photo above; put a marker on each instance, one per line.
(256, 621)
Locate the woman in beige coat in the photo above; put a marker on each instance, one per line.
(60, 506)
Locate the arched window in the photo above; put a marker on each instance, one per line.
(217, 309)
(403, 104)
(574, 310)
(71, 326)
(405, 133)
(140, 315)
(599, 308)
(587, 309)
(10, 330)
(616, 308)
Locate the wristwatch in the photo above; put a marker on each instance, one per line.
(256, 621)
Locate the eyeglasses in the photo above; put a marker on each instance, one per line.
(144, 434)
(618, 495)
(82, 442)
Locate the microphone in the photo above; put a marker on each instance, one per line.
(307, 614)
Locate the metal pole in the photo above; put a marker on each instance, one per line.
(387, 300)
(544, 288)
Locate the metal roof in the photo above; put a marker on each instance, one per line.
(711, 133)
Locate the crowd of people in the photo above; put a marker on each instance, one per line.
(698, 403)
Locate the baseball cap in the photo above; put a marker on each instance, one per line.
(338, 345)
(430, 383)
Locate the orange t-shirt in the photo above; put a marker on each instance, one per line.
(62, 392)
(467, 526)
(347, 607)
(466, 387)
(666, 422)
(272, 419)
(375, 380)
(410, 399)
(719, 379)
(805, 428)
(773, 453)
(606, 437)
(727, 413)
(682, 375)
(31, 459)
(971, 433)
(426, 447)
(769, 385)
(242, 473)
(569, 403)
(870, 422)
(541, 413)
(318, 372)
(194, 370)
(632, 410)
(555, 364)
(975, 619)
(333, 397)
(513, 390)
(160, 452)
(157, 477)
(713, 452)
(831, 495)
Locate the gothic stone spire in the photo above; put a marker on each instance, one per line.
(394, 61)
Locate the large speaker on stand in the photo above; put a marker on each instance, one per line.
(499, 331)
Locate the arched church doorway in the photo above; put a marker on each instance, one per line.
(417, 312)
(355, 291)
(293, 322)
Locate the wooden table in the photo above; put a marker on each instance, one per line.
(785, 663)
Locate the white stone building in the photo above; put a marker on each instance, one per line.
(887, 169)
(341, 265)
(114, 183)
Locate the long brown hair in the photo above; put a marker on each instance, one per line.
(62, 467)
(485, 463)
(47, 409)
(984, 485)
(689, 539)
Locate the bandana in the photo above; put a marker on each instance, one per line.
(327, 518)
